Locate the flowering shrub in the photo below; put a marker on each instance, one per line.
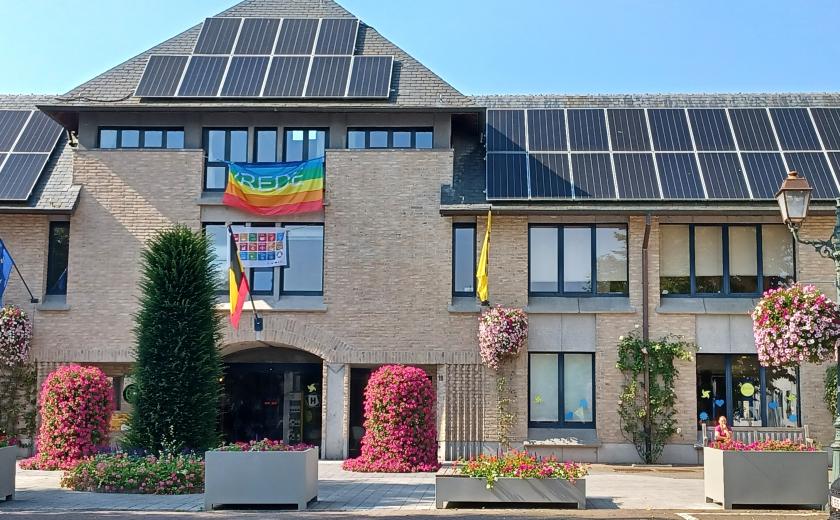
(795, 324)
(400, 434)
(15, 336)
(263, 445)
(501, 334)
(6, 440)
(123, 473)
(76, 405)
(520, 464)
(765, 445)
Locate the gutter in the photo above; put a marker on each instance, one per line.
(612, 208)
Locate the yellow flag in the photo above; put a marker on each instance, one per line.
(481, 272)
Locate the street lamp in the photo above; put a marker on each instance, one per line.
(793, 197)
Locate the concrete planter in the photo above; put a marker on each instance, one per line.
(455, 488)
(8, 459)
(260, 477)
(765, 477)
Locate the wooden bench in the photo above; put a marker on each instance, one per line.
(750, 434)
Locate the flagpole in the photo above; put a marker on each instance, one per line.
(258, 321)
(32, 298)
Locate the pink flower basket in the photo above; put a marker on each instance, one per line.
(502, 333)
(15, 336)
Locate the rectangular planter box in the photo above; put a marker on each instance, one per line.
(451, 488)
(8, 459)
(267, 477)
(765, 477)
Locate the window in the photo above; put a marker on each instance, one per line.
(724, 260)
(735, 385)
(305, 272)
(418, 138)
(262, 278)
(218, 235)
(265, 145)
(58, 254)
(220, 145)
(561, 390)
(303, 144)
(172, 138)
(463, 259)
(577, 260)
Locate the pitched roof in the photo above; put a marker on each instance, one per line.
(734, 100)
(414, 85)
(54, 191)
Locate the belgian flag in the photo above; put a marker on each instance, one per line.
(238, 282)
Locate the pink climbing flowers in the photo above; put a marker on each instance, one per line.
(795, 324)
(502, 333)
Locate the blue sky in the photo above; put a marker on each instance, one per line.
(481, 46)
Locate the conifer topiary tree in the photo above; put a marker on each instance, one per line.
(177, 332)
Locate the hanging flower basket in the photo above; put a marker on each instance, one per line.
(501, 334)
(15, 336)
(795, 324)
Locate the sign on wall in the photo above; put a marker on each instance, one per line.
(261, 247)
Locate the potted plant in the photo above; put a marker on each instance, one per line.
(8, 457)
(261, 472)
(512, 477)
(766, 472)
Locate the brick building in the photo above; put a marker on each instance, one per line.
(384, 273)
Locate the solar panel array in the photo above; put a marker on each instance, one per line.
(27, 138)
(659, 153)
(270, 58)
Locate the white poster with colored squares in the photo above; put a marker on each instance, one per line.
(261, 247)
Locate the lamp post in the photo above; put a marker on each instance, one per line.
(793, 197)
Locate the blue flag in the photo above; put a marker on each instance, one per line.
(6, 265)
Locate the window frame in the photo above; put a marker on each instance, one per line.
(726, 290)
(593, 292)
(562, 423)
(142, 138)
(390, 130)
(456, 226)
(51, 259)
(256, 151)
(305, 130)
(205, 142)
(282, 277)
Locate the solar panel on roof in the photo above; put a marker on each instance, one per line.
(162, 75)
(680, 176)
(711, 129)
(593, 175)
(814, 167)
(328, 76)
(40, 134)
(505, 130)
(722, 175)
(752, 129)
(287, 76)
(337, 36)
(550, 175)
(669, 128)
(834, 159)
(257, 36)
(828, 123)
(371, 77)
(217, 36)
(11, 123)
(19, 174)
(765, 173)
(297, 36)
(628, 129)
(546, 130)
(587, 130)
(507, 176)
(795, 129)
(245, 76)
(203, 76)
(636, 176)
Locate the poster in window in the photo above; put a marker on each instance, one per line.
(261, 246)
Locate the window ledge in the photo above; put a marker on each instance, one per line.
(464, 305)
(210, 198)
(706, 305)
(53, 303)
(285, 304)
(562, 438)
(567, 305)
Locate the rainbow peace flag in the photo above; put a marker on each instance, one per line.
(276, 188)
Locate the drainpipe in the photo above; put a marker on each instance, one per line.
(646, 335)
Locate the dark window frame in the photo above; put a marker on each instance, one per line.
(57, 288)
(726, 291)
(215, 164)
(257, 131)
(306, 140)
(391, 129)
(593, 292)
(282, 277)
(142, 138)
(562, 423)
(456, 226)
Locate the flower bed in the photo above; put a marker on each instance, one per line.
(124, 473)
(264, 445)
(520, 464)
(764, 445)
